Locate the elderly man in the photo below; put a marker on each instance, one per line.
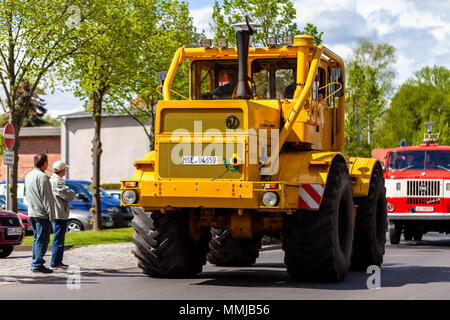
(63, 195)
(41, 210)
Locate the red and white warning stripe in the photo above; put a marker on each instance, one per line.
(309, 196)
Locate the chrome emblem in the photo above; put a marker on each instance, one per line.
(423, 188)
(10, 221)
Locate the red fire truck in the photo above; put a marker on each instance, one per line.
(417, 181)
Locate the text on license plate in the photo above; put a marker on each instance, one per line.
(199, 160)
(423, 209)
(14, 231)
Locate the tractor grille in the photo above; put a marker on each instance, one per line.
(9, 222)
(171, 169)
(423, 188)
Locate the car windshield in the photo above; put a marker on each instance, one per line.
(103, 193)
(419, 160)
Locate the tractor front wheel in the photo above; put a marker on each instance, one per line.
(163, 246)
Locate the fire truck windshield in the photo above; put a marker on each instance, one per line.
(419, 160)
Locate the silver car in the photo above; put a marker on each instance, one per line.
(80, 220)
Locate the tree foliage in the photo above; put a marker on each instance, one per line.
(276, 17)
(370, 76)
(423, 97)
(35, 37)
(170, 28)
(135, 41)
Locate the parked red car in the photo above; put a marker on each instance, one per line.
(12, 232)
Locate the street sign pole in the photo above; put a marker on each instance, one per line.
(9, 136)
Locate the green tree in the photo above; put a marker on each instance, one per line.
(110, 73)
(35, 36)
(171, 28)
(276, 17)
(423, 97)
(370, 76)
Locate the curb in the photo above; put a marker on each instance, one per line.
(29, 248)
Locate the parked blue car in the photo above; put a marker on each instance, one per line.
(121, 216)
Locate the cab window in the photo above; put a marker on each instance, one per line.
(274, 78)
(319, 82)
(213, 80)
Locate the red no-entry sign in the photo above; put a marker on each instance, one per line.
(9, 136)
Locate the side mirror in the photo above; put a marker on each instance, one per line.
(337, 75)
(82, 197)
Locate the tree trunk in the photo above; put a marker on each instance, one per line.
(14, 171)
(96, 154)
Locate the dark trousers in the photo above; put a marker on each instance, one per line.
(41, 238)
(59, 235)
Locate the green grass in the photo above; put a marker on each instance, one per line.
(84, 238)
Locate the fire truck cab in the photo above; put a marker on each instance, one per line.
(417, 180)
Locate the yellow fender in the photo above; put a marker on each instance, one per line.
(360, 170)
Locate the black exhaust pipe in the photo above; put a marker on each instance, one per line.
(243, 42)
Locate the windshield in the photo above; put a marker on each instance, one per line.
(419, 160)
(214, 80)
(103, 193)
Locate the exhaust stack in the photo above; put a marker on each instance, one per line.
(243, 33)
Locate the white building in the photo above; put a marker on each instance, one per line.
(123, 141)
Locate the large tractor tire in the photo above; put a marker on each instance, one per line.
(395, 233)
(370, 225)
(318, 244)
(224, 250)
(163, 246)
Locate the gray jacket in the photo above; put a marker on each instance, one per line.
(39, 195)
(63, 195)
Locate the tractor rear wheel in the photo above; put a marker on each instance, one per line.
(318, 244)
(163, 246)
(224, 250)
(370, 225)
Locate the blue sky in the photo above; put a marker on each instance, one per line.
(418, 29)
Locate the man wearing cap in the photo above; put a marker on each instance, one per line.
(63, 195)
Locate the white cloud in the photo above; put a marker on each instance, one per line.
(202, 18)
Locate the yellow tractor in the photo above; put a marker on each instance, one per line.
(256, 149)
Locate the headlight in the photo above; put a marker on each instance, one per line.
(112, 209)
(129, 196)
(390, 207)
(270, 199)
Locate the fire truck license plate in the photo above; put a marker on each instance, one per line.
(199, 160)
(423, 209)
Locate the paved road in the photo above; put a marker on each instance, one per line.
(410, 271)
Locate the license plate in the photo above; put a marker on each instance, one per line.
(423, 209)
(14, 231)
(199, 160)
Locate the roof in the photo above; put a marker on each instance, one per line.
(39, 132)
(423, 147)
(85, 114)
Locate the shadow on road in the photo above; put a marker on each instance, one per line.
(392, 275)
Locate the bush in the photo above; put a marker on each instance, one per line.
(110, 186)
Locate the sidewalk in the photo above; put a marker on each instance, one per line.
(90, 259)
